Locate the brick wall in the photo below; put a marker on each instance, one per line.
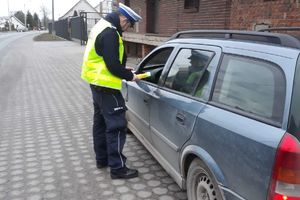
(139, 6)
(245, 15)
(210, 15)
(219, 14)
(171, 16)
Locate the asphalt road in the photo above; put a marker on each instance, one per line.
(45, 130)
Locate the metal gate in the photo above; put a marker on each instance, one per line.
(89, 19)
(62, 28)
(78, 29)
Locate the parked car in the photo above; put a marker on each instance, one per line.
(21, 29)
(221, 113)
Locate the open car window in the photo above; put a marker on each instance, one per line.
(155, 64)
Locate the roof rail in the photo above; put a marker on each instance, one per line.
(253, 36)
(280, 29)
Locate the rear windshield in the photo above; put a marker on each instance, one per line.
(294, 120)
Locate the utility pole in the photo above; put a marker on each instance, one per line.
(9, 19)
(25, 18)
(100, 8)
(53, 27)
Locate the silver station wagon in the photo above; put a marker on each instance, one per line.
(221, 113)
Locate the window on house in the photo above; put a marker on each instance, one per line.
(247, 1)
(191, 5)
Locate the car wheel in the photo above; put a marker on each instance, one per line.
(201, 184)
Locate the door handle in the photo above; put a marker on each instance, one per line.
(146, 99)
(156, 92)
(180, 118)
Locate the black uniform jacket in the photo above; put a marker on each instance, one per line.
(107, 46)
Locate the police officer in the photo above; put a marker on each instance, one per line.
(104, 68)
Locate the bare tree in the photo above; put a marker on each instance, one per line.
(45, 13)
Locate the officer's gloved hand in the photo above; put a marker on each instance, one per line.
(135, 78)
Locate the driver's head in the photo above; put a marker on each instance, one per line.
(198, 59)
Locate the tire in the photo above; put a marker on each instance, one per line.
(201, 185)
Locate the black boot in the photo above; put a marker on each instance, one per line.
(123, 173)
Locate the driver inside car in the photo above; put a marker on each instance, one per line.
(187, 78)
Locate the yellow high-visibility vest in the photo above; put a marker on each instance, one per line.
(94, 69)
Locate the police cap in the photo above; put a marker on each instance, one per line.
(198, 56)
(129, 14)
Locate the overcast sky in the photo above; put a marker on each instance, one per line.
(60, 6)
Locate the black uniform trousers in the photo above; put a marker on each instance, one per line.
(109, 127)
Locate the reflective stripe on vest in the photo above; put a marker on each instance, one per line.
(94, 69)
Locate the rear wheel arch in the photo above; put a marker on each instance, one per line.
(192, 152)
(189, 159)
(201, 183)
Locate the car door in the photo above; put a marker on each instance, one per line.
(137, 94)
(174, 107)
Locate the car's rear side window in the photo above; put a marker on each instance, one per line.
(294, 119)
(252, 87)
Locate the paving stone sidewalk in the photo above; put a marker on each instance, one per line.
(45, 133)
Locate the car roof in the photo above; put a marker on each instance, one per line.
(278, 39)
(245, 45)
